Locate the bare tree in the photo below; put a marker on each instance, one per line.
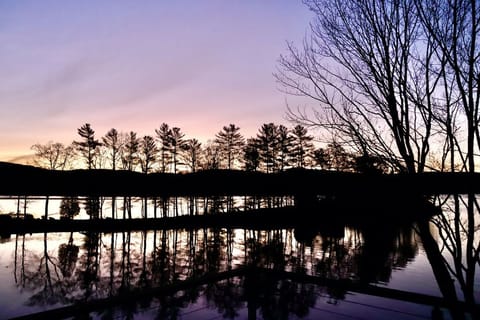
(454, 28)
(53, 155)
(368, 66)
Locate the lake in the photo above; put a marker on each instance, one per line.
(375, 269)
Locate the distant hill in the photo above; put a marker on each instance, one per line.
(25, 159)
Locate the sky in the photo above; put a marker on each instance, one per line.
(133, 65)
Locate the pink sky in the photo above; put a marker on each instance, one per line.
(132, 65)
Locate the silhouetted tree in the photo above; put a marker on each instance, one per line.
(69, 207)
(322, 159)
(177, 145)
(369, 164)
(374, 73)
(339, 159)
(452, 30)
(230, 142)
(130, 151)
(268, 146)
(302, 146)
(192, 153)
(251, 155)
(148, 150)
(88, 145)
(211, 156)
(111, 140)
(285, 141)
(53, 155)
(164, 136)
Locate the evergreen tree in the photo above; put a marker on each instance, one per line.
(164, 137)
(69, 207)
(148, 150)
(88, 145)
(322, 159)
(177, 144)
(302, 146)
(111, 141)
(192, 153)
(284, 141)
(92, 207)
(268, 146)
(130, 151)
(230, 143)
(251, 155)
(211, 156)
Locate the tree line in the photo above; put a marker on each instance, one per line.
(274, 148)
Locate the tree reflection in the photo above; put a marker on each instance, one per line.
(48, 279)
(89, 272)
(455, 254)
(276, 288)
(67, 257)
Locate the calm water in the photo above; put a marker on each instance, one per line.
(329, 271)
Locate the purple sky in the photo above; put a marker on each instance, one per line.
(132, 65)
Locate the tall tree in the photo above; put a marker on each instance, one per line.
(211, 156)
(177, 145)
(251, 155)
(302, 146)
(88, 145)
(369, 66)
(284, 140)
(111, 140)
(268, 146)
(164, 136)
(453, 29)
(130, 151)
(192, 153)
(230, 142)
(148, 150)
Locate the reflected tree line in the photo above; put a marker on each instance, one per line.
(96, 266)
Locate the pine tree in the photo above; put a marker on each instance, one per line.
(230, 143)
(268, 146)
(111, 141)
(87, 146)
(164, 137)
(148, 150)
(302, 146)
